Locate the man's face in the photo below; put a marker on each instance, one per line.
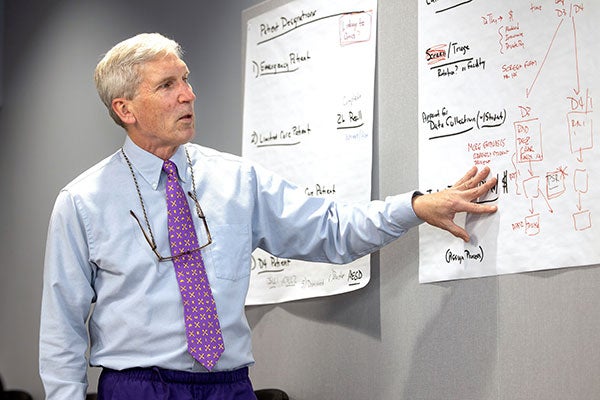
(163, 107)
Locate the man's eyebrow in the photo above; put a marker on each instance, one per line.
(164, 80)
(171, 77)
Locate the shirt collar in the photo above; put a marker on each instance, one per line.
(149, 166)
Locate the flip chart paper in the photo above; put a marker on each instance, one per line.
(511, 85)
(308, 116)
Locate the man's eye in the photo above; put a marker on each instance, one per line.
(166, 85)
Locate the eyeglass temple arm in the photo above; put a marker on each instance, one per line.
(201, 216)
(148, 239)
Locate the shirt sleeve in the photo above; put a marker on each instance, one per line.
(290, 224)
(66, 301)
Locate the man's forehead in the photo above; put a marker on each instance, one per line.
(164, 66)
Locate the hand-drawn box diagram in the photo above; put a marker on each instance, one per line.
(555, 183)
(355, 28)
(528, 135)
(581, 132)
(532, 225)
(583, 218)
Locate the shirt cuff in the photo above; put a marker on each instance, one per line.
(401, 210)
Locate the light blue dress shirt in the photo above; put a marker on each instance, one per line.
(96, 256)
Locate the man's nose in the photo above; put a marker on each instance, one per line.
(187, 93)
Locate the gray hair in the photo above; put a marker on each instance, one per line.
(117, 74)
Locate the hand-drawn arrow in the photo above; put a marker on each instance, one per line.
(546, 200)
(528, 91)
(576, 57)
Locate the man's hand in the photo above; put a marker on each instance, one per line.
(438, 209)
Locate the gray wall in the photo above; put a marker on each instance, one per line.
(525, 336)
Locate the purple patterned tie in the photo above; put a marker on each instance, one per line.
(203, 330)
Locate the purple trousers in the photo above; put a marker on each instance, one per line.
(163, 384)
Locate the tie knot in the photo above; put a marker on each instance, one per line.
(170, 168)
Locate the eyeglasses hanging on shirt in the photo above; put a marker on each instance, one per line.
(149, 236)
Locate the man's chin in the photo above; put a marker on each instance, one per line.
(187, 133)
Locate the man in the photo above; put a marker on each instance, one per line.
(111, 243)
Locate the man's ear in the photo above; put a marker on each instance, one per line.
(122, 108)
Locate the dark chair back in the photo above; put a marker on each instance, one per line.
(271, 394)
(13, 394)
